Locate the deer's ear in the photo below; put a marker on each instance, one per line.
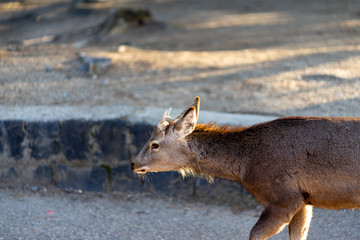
(196, 104)
(187, 122)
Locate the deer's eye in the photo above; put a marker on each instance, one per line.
(155, 146)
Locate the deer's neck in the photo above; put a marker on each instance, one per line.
(216, 153)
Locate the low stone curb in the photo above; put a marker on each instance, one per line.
(89, 148)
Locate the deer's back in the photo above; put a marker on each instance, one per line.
(315, 158)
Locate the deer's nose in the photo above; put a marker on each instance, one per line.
(132, 166)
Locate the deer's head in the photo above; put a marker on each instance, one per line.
(167, 148)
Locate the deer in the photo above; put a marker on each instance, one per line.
(289, 165)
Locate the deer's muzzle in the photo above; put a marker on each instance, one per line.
(139, 169)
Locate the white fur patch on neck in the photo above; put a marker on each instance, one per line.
(191, 172)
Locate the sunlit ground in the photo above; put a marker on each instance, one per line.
(285, 57)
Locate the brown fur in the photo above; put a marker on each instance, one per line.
(288, 165)
(212, 127)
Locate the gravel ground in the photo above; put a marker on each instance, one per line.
(287, 57)
(59, 215)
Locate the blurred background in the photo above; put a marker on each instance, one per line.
(284, 57)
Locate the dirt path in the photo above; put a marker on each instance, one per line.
(285, 57)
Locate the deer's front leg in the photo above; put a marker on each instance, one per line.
(300, 223)
(272, 220)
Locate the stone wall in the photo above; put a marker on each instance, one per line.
(89, 148)
(87, 155)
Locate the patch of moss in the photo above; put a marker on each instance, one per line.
(108, 172)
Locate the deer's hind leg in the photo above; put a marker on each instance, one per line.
(272, 220)
(300, 223)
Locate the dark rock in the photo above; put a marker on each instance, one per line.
(136, 17)
(93, 179)
(9, 175)
(97, 180)
(141, 133)
(1, 138)
(320, 77)
(43, 174)
(93, 65)
(15, 136)
(112, 138)
(163, 182)
(34, 188)
(90, 1)
(61, 175)
(170, 183)
(43, 139)
(123, 179)
(48, 68)
(12, 173)
(74, 139)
